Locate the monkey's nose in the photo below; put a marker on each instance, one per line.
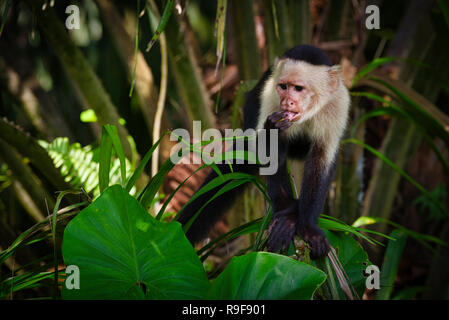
(287, 105)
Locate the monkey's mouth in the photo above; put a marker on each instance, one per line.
(292, 116)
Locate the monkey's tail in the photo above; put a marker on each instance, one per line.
(210, 215)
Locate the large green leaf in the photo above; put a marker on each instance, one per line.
(266, 276)
(122, 252)
(352, 257)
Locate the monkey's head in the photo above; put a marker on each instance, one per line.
(304, 87)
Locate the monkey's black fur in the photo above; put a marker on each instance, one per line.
(290, 215)
(309, 54)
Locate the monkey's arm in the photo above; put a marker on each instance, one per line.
(315, 185)
(279, 188)
(283, 222)
(300, 216)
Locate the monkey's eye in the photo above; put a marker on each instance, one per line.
(299, 88)
(283, 86)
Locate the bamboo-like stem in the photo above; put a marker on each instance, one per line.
(403, 138)
(144, 81)
(162, 93)
(28, 202)
(12, 264)
(28, 181)
(187, 75)
(245, 36)
(287, 24)
(391, 263)
(29, 147)
(79, 70)
(437, 281)
(335, 20)
(348, 179)
(22, 92)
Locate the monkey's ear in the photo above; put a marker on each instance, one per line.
(334, 77)
(278, 63)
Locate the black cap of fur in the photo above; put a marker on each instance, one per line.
(308, 54)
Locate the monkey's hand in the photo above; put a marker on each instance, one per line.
(278, 120)
(316, 239)
(282, 229)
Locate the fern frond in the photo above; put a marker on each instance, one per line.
(79, 165)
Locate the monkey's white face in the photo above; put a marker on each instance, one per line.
(303, 89)
(295, 95)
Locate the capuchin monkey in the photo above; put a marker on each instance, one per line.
(302, 96)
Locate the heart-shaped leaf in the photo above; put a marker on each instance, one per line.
(266, 276)
(122, 252)
(352, 257)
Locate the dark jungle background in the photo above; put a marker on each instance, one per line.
(144, 74)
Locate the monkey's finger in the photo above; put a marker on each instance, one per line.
(276, 116)
(281, 233)
(277, 243)
(280, 112)
(274, 241)
(286, 235)
(321, 249)
(319, 245)
(284, 124)
(273, 244)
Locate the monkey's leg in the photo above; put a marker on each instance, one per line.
(314, 188)
(282, 228)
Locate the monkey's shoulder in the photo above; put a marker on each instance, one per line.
(253, 102)
(299, 146)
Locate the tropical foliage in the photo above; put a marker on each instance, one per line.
(85, 175)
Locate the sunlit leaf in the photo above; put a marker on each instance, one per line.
(122, 252)
(266, 276)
